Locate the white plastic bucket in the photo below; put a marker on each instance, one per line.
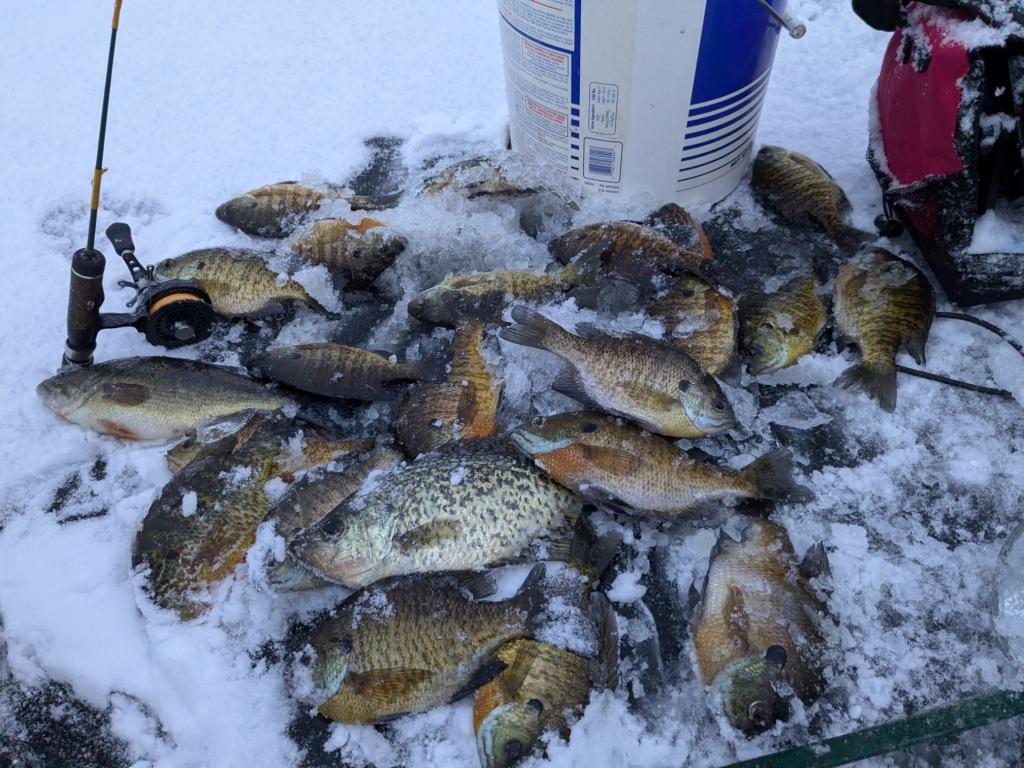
(625, 96)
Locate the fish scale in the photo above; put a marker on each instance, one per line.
(754, 598)
(461, 508)
(778, 328)
(410, 644)
(355, 252)
(699, 320)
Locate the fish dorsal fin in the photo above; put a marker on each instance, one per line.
(807, 163)
(736, 620)
(431, 534)
(386, 685)
(126, 394)
(511, 680)
(613, 460)
(815, 562)
(590, 331)
(568, 383)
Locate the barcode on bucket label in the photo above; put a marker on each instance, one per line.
(602, 159)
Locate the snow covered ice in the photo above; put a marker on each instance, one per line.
(210, 100)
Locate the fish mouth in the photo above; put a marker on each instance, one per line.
(323, 561)
(533, 444)
(59, 397)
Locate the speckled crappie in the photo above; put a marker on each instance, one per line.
(654, 384)
(198, 530)
(803, 192)
(484, 296)
(700, 320)
(238, 282)
(354, 252)
(464, 407)
(609, 461)
(334, 370)
(152, 398)
(778, 328)
(277, 209)
(882, 304)
(760, 626)
(413, 643)
(465, 506)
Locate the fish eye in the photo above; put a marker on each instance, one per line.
(539, 421)
(172, 554)
(689, 293)
(330, 526)
(514, 749)
(760, 714)
(719, 405)
(684, 385)
(776, 654)
(587, 427)
(536, 705)
(766, 327)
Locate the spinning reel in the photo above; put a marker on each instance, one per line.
(171, 313)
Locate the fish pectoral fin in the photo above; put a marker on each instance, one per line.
(815, 562)
(486, 672)
(568, 383)
(510, 680)
(915, 343)
(736, 620)
(429, 534)
(126, 394)
(656, 400)
(600, 495)
(613, 460)
(387, 685)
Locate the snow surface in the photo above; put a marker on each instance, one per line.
(211, 99)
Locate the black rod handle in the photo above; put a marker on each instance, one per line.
(84, 301)
(120, 236)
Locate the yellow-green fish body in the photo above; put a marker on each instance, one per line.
(882, 304)
(465, 407)
(804, 193)
(701, 321)
(484, 296)
(760, 626)
(411, 644)
(335, 370)
(355, 252)
(153, 398)
(656, 385)
(200, 527)
(779, 328)
(475, 178)
(239, 283)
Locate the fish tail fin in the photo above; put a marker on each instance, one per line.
(771, 477)
(604, 672)
(320, 309)
(850, 239)
(533, 329)
(877, 380)
(531, 597)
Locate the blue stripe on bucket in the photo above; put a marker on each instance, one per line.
(707, 107)
(748, 32)
(575, 61)
(723, 148)
(713, 157)
(753, 97)
(720, 170)
(716, 126)
(735, 130)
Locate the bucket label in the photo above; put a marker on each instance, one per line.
(628, 96)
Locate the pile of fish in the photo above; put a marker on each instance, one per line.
(417, 518)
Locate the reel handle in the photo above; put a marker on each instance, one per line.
(120, 236)
(84, 300)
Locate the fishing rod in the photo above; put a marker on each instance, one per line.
(170, 313)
